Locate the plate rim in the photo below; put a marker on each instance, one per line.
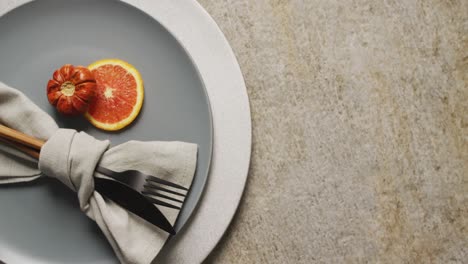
(181, 248)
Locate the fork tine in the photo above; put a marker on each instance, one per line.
(150, 185)
(151, 192)
(164, 182)
(158, 202)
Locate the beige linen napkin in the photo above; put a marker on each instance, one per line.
(71, 157)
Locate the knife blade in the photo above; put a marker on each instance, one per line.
(133, 202)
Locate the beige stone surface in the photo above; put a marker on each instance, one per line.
(360, 127)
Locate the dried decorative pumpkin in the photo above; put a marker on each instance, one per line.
(71, 89)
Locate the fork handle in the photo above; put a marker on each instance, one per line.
(16, 136)
(26, 150)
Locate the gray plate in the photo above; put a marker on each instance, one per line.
(41, 222)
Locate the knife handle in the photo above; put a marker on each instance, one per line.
(19, 137)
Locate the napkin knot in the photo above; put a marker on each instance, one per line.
(72, 157)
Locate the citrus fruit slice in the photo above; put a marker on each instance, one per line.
(119, 94)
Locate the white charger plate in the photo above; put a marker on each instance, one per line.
(219, 70)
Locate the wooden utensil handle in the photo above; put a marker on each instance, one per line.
(26, 150)
(19, 137)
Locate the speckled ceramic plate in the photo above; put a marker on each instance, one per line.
(44, 223)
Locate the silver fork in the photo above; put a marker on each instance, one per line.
(153, 188)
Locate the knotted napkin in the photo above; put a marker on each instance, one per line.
(72, 156)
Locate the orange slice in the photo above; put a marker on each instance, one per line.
(119, 94)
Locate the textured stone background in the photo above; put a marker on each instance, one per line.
(360, 125)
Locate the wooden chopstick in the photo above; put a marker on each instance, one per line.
(21, 138)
